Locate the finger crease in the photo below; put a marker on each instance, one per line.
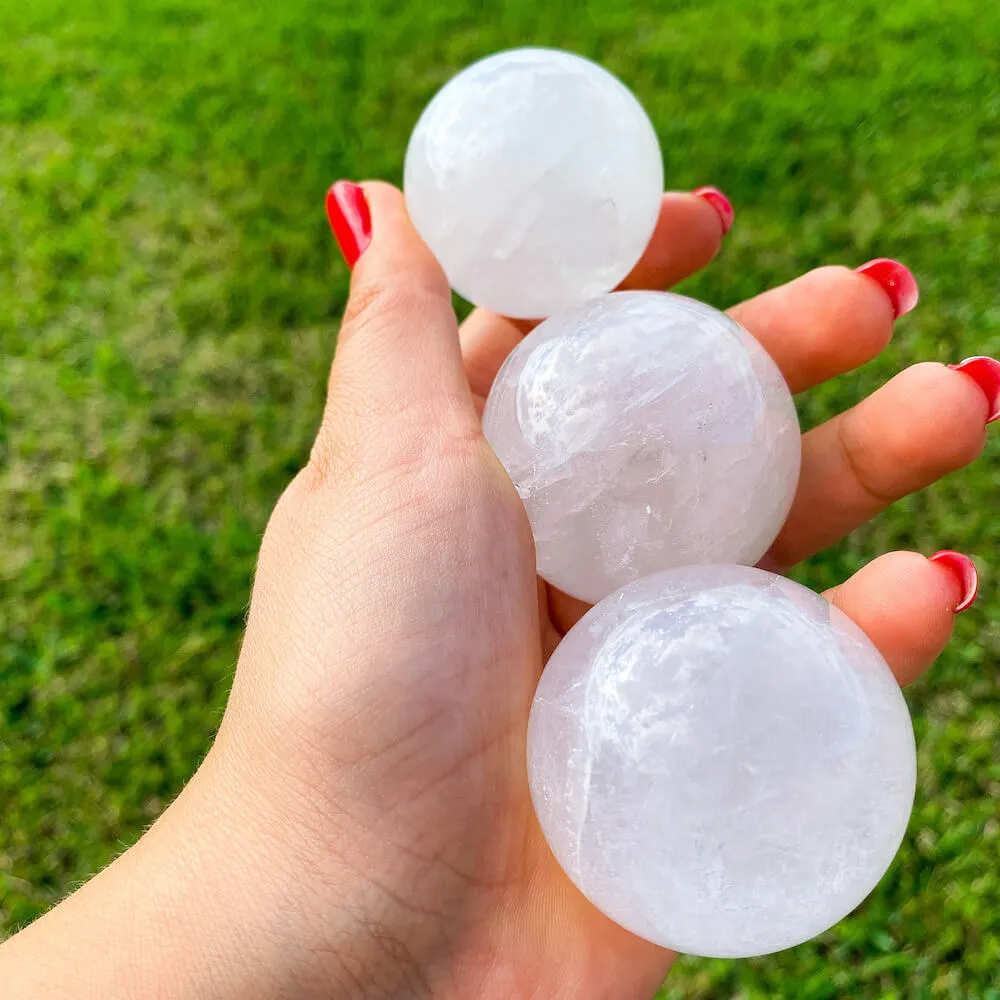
(850, 460)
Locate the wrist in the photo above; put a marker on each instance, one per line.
(197, 909)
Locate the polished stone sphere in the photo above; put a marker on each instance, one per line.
(721, 761)
(535, 177)
(643, 431)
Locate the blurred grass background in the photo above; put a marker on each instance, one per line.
(169, 296)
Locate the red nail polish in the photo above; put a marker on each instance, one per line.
(897, 282)
(350, 219)
(985, 372)
(722, 205)
(964, 570)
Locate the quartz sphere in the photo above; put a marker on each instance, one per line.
(721, 760)
(643, 431)
(535, 177)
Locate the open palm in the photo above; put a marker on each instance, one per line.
(398, 577)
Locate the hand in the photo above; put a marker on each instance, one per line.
(362, 826)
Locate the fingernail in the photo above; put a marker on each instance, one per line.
(722, 205)
(965, 572)
(897, 282)
(985, 372)
(350, 219)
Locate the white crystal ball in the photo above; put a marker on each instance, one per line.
(644, 431)
(721, 761)
(535, 177)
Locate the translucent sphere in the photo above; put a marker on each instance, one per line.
(535, 177)
(721, 761)
(643, 431)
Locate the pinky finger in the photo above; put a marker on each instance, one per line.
(906, 604)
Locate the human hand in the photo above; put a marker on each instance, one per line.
(362, 826)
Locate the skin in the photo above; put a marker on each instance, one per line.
(362, 826)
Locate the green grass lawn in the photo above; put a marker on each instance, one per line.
(169, 296)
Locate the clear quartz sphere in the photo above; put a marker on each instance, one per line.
(535, 177)
(644, 431)
(721, 761)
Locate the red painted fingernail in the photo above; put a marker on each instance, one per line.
(985, 372)
(897, 282)
(722, 205)
(350, 219)
(965, 572)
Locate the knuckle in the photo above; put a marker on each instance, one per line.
(421, 451)
(367, 300)
(872, 458)
(385, 302)
(337, 447)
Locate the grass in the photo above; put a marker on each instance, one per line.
(168, 307)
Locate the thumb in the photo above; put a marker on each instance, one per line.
(398, 344)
